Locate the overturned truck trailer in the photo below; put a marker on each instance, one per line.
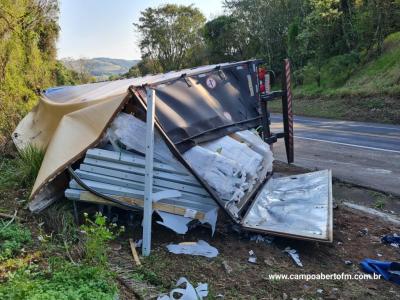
(212, 149)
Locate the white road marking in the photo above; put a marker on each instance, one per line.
(345, 144)
(338, 122)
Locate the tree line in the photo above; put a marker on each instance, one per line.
(331, 36)
(28, 33)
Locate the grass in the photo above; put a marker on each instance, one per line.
(21, 171)
(368, 91)
(13, 238)
(61, 280)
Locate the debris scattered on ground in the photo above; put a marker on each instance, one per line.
(363, 232)
(294, 255)
(138, 243)
(227, 267)
(258, 238)
(186, 291)
(388, 270)
(201, 248)
(115, 246)
(392, 239)
(252, 258)
(348, 262)
(174, 222)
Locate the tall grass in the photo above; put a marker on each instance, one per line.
(21, 172)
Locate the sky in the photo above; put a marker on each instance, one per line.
(103, 28)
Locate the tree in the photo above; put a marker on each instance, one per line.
(265, 23)
(28, 35)
(170, 35)
(226, 40)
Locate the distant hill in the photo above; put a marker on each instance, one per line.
(100, 67)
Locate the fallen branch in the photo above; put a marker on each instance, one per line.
(134, 252)
(7, 216)
(12, 220)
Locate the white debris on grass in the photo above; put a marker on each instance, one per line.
(186, 291)
(201, 248)
(294, 255)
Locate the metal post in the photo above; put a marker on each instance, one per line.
(148, 179)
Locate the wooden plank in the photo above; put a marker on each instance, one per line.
(169, 208)
(134, 253)
(74, 194)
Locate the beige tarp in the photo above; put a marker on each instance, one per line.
(65, 130)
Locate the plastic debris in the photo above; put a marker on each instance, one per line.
(252, 258)
(174, 222)
(121, 130)
(387, 269)
(138, 243)
(179, 224)
(348, 262)
(258, 238)
(186, 291)
(392, 239)
(294, 255)
(227, 267)
(201, 248)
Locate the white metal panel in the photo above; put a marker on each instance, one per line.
(297, 206)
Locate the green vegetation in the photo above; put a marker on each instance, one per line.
(61, 280)
(378, 76)
(13, 238)
(97, 234)
(21, 171)
(99, 68)
(369, 93)
(344, 53)
(28, 276)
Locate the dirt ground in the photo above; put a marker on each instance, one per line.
(231, 276)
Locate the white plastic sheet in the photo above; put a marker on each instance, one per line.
(221, 173)
(232, 166)
(201, 248)
(186, 291)
(131, 132)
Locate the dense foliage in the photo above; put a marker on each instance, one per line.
(171, 36)
(326, 40)
(28, 34)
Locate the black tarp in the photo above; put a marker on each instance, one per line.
(197, 108)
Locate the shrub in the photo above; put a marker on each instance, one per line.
(97, 234)
(62, 280)
(21, 172)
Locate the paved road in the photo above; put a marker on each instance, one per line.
(367, 154)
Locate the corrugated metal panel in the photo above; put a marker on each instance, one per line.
(122, 174)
